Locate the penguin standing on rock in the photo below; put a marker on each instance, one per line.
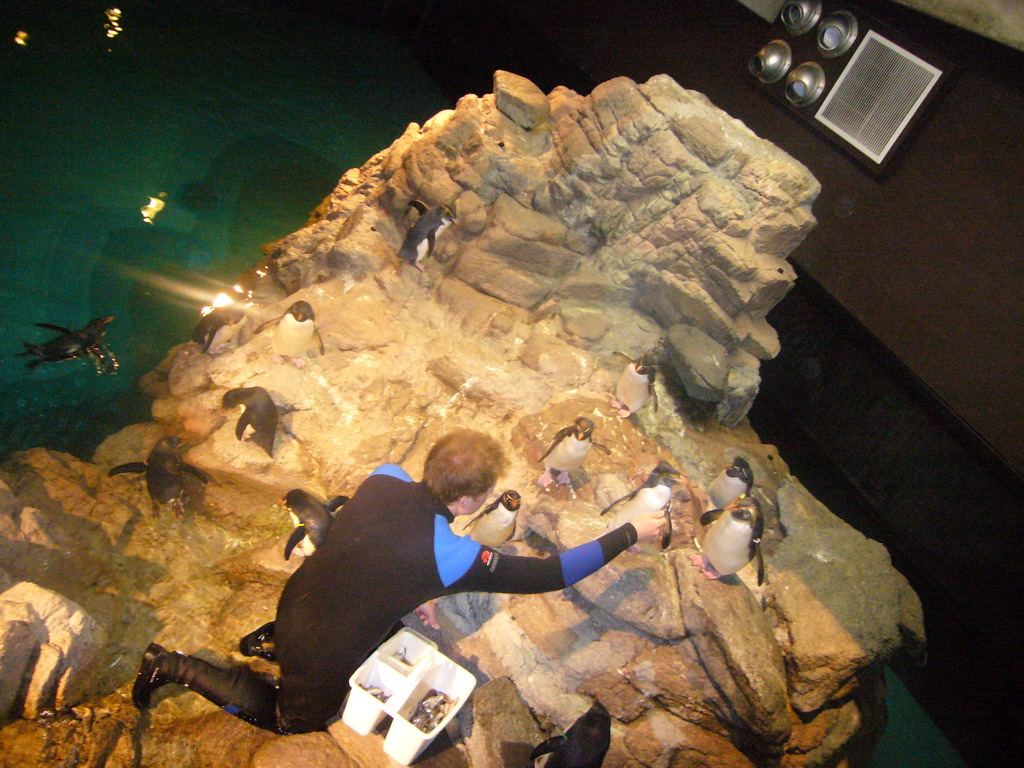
(732, 540)
(495, 523)
(635, 387)
(422, 236)
(294, 333)
(311, 519)
(583, 745)
(731, 483)
(654, 494)
(568, 450)
(218, 327)
(165, 474)
(260, 414)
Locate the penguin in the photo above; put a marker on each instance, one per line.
(654, 494)
(165, 474)
(73, 344)
(568, 450)
(311, 519)
(732, 540)
(583, 745)
(294, 332)
(260, 413)
(422, 236)
(731, 483)
(635, 387)
(495, 523)
(218, 327)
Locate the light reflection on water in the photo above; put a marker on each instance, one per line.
(239, 121)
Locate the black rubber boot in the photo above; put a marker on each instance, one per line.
(259, 642)
(238, 691)
(149, 677)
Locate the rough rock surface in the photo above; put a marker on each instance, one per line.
(636, 218)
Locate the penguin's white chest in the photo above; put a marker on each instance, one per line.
(645, 500)
(568, 454)
(304, 547)
(292, 338)
(726, 545)
(495, 528)
(725, 489)
(633, 390)
(225, 334)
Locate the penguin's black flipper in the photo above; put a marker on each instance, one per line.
(710, 516)
(131, 466)
(430, 244)
(560, 435)
(654, 396)
(319, 340)
(605, 448)
(197, 473)
(243, 421)
(34, 363)
(546, 747)
(666, 537)
(264, 325)
(485, 511)
(52, 327)
(760, 564)
(293, 541)
(629, 495)
(336, 503)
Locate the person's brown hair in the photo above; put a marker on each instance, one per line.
(463, 463)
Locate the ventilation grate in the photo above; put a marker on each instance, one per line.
(877, 94)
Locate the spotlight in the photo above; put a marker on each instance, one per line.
(836, 33)
(800, 16)
(772, 62)
(805, 84)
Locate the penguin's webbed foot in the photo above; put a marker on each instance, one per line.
(705, 567)
(545, 480)
(563, 478)
(298, 362)
(621, 409)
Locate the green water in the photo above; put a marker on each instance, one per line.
(244, 116)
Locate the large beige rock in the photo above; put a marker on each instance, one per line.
(633, 219)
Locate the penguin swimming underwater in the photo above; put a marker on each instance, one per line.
(495, 523)
(165, 474)
(732, 540)
(422, 236)
(311, 519)
(731, 483)
(635, 387)
(654, 494)
(218, 327)
(260, 413)
(568, 450)
(583, 745)
(294, 333)
(72, 344)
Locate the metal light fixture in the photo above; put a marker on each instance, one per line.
(805, 84)
(772, 62)
(836, 33)
(800, 16)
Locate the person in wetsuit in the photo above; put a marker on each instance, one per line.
(388, 552)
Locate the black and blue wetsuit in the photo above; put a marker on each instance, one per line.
(388, 551)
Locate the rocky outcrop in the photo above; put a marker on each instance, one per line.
(636, 218)
(640, 196)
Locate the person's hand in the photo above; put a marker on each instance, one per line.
(649, 525)
(427, 613)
